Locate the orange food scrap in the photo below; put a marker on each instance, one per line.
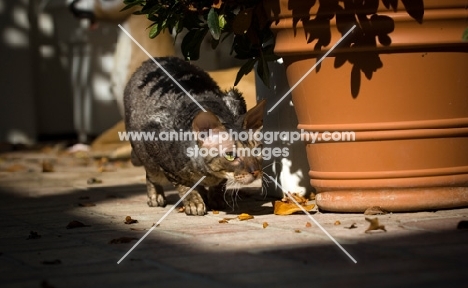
(215, 212)
(308, 225)
(337, 222)
(287, 206)
(265, 224)
(244, 216)
(224, 220)
(297, 231)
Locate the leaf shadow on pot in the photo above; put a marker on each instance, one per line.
(360, 47)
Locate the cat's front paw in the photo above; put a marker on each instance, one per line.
(156, 200)
(195, 205)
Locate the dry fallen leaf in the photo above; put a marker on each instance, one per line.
(129, 220)
(226, 220)
(86, 204)
(337, 222)
(352, 226)
(47, 166)
(104, 165)
(308, 225)
(93, 180)
(375, 210)
(244, 216)
(283, 208)
(137, 229)
(122, 240)
(374, 225)
(33, 235)
(265, 224)
(299, 199)
(76, 224)
(297, 231)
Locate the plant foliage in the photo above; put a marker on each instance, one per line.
(245, 19)
(253, 40)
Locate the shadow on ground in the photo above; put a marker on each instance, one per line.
(198, 251)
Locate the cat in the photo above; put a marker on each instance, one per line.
(154, 103)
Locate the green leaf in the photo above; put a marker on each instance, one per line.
(465, 35)
(222, 21)
(242, 21)
(263, 71)
(245, 69)
(130, 3)
(269, 53)
(179, 26)
(415, 8)
(213, 24)
(191, 43)
(155, 30)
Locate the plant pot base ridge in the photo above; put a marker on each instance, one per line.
(393, 200)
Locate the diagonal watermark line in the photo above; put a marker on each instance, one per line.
(159, 65)
(313, 219)
(311, 69)
(160, 220)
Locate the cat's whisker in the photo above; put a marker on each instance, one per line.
(238, 195)
(226, 191)
(235, 194)
(265, 183)
(233, 200)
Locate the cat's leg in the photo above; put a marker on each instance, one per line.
(194, 203)
(155, 191)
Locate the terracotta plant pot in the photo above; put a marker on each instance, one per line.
(407, 104)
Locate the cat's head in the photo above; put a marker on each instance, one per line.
(236, 159)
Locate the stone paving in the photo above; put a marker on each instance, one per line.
(424, 249)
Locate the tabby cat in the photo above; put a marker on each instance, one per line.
(154, 103)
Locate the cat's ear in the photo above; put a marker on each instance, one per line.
(204, 121)
(206, 125)
(254, 117)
